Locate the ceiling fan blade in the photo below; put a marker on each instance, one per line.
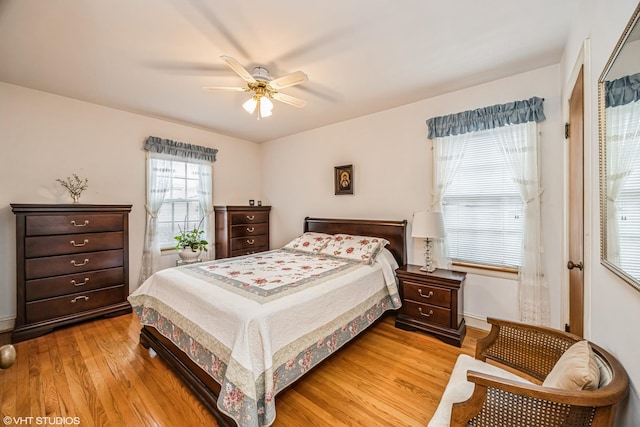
(289, 80)
(288, 99)
(235, 89)
(238, 68)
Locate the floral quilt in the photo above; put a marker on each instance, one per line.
(258, 323)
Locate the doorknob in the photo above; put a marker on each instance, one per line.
(571, 265)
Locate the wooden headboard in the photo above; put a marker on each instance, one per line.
(394, 231)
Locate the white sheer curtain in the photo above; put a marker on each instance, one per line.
(623, 152)
(448, 152)
(205, 197)
(158, 181)
(519, 146)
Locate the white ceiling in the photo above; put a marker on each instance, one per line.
(153, 56)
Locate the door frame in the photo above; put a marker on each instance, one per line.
(583, 60)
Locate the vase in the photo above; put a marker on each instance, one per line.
(188, 255)
(76, 198)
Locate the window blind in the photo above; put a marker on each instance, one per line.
(483, 208)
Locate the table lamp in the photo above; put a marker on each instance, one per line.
(427, 225)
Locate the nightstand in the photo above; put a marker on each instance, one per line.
(432, 303)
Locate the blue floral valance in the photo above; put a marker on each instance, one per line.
(622, 91)
(180, 149)
(513, 113)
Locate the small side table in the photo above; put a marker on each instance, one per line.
(432, 303)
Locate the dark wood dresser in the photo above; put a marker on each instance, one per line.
(241, 230)
(72, 264)
(432, 302)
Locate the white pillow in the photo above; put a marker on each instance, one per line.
(575, 370)
(356, 248)
(309, 242)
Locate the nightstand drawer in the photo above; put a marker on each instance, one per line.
(428, 313)
(426, 294)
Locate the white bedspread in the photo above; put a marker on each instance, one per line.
(258, 323)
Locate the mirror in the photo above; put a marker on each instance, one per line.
(619, 122)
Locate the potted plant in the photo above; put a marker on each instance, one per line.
(190, 243)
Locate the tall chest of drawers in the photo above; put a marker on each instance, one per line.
(72, 264)
(241, 230)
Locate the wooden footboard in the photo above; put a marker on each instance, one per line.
(199, 382)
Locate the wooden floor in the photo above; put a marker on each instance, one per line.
(99, 374)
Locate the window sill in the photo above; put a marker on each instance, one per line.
(484, 270)
(168, 251)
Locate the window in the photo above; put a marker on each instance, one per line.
(623, 181)
(482, 207)
(181, 206)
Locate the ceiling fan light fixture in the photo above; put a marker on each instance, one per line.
(265, 106)
(250, 105)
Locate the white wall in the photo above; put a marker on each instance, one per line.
(46, 136)
(392, 176)
(614, 305)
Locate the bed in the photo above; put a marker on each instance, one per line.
(238, 331)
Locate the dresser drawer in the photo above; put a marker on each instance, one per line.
(71, 304)
(426, 294)
(428, 313)
(39, 246)
(248, 242)
(245, 230)
(36, 268)
(249, 251)
(249, 217)
(72, 283)
(42, 225)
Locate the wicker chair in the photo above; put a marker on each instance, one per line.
(533, 351)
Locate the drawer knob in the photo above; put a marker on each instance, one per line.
(77, 245)
(250, 241)
(75, 224)
(81, 297)
(74, 283)
(427, 296)
(251, 217)
(251, 229)
(429, 314)
(75, 264)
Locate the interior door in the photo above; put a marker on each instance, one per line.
(576, 207)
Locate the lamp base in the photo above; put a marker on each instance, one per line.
(428, 264)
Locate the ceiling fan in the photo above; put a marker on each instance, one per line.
(264, 87)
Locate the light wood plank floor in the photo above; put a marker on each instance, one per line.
(97, 371)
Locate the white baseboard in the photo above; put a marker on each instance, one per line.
(475, 321)
(7, 323)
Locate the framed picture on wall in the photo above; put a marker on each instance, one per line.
(343, 178)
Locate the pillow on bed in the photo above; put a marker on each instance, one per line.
(309, 242)
(357, 248)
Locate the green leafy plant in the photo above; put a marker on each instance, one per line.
(191, 238)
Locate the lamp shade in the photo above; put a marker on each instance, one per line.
(427, 225)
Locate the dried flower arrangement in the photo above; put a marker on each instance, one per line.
(75, 186)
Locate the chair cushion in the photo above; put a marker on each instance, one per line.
(459, 389)
(575, 370)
